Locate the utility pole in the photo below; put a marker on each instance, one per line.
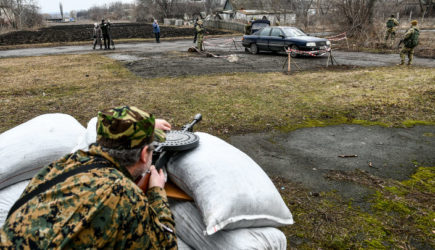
(61, 10)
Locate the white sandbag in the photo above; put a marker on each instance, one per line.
(182, 245)
(190, 228)
(87, 138)
(228, 187)
(8, 196)
(27, 147)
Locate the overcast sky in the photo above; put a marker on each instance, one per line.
(52, 6)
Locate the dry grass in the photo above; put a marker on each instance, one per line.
(231, 103)
(80, 85)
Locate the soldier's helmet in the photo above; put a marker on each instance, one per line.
(200, 21)
(126, 127)
(414, 22)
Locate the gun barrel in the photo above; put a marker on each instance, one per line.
(189, 127)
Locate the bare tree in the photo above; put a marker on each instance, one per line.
(302, 8)
(165, 7)
(16, 11)
(357, 15)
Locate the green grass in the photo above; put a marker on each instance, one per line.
(399, 215)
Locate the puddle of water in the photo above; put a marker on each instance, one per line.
(125, 58)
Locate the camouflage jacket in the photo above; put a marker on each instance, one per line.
(394, 21)
(199, 29)
(101, 208)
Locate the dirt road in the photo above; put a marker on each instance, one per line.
(170, 58)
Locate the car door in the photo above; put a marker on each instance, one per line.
(263, 39)
(276, 40)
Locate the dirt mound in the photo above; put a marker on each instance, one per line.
(69, 33)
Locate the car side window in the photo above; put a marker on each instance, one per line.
(276, 32)
(265, 32)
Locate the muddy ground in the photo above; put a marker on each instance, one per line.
(312, 157)
(172, 59)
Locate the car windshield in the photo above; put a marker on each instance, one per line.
(292, 32)
(259, 25)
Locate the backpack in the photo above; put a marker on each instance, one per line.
(412, 41)
(390, 23)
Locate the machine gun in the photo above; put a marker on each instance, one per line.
(176, 141)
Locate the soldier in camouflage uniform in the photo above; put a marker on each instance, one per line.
(391, 28)
(410, 41)
(99, 206)
(248, 28)
(200, 35)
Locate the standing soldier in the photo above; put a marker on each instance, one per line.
(248, 28)
(391, 28)
(410, 41)
(105, 30)
(200, 37)
(194, 28)
(97, 36)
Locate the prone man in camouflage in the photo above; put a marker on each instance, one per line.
(200, 35)
(391, 28)
(410, 41)
(99, 206)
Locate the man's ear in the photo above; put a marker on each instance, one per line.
(144, 154)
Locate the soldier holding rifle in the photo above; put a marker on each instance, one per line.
(410, 41)
(89, 200)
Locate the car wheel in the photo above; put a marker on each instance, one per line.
(254, 48)
(294, 54)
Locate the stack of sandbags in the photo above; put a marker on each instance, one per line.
(88, 137)
(237, 202)
(190, 229)
(28, 147)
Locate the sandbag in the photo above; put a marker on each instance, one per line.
(229, 188)
(28, 147)
(189, 227)
(87, 138)
(8, 196)
(182, 245)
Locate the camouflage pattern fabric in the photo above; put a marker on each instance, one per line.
(409, 52)
(126, 128)
(409, 36)
(405, 50)
(102, 208)
(200, 36)
(391, 32)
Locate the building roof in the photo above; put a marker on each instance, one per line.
(248, 5)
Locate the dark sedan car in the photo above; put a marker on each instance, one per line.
(279, 38)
